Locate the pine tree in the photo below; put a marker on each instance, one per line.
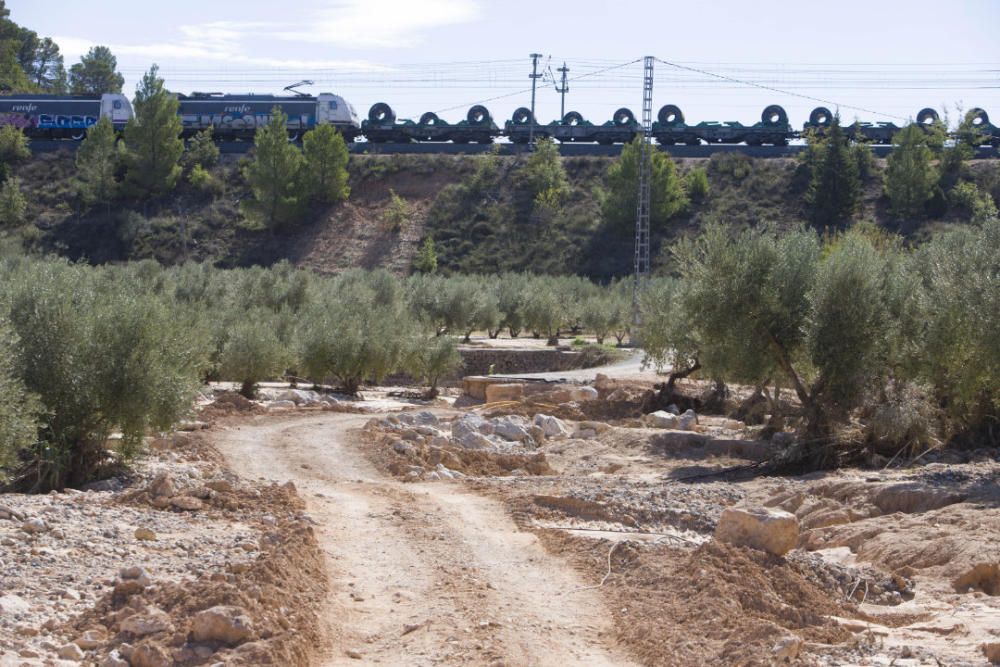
(96, 73)
(835, 185)
(152, 139)
(13, 149)
(274, 176)
(97, 160)
(910, 175)
(325, 164)
(201, 150)
(426, 261)
(13, 205)
(667, 196)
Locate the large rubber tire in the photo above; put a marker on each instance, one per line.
(478, 115)
(979, 115)
(820, 117)
(522, 116)
(429, 118)
(670, 115)
(623, 117)
(927, 116)
(572, 118)
(774, 115)
(381, 113)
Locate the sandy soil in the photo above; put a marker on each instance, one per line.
(424, 573)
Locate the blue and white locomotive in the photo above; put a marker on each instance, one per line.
(63, 116)
(238, 116)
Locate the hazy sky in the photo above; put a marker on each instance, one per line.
(889, 58)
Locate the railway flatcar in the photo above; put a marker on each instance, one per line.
(239, 116)
(63, 116)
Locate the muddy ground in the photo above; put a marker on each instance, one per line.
(404, 538)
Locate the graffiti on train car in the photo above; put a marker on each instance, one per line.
(60, 122)
(46, 121)
(243, 122)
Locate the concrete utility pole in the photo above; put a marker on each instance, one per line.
(562, 90)
(642, 207)
(534, 80)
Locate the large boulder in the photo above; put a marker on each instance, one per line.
(766, 529)
(552, 427)
(229, 625)
(148, 622)
(687, 421)
(470, 423)
(661, 419)
(511, 427)
(298, 396)
(496, 393)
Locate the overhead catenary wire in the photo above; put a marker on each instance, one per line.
(778, 90)
(528, 90)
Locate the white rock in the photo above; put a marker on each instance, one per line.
(421, 418)
(471, 423)
(281, 405)
(298, 396)
(552, 427)
(511, 427)
(71, 652)
(687, 421)
(229, 625)
(661, 419)
(11, 605)
(673, 409)
(34, 525)
(473, 440)
(186, 503)
(149, 622)
(90, 639)
(114, 659)
(787, 648)
(772, 530)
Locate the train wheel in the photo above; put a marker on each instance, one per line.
(78, 136)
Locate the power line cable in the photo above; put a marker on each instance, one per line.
(778, 90)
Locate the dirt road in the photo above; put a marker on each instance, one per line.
(423, 573)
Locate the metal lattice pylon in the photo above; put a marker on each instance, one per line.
(642, 206)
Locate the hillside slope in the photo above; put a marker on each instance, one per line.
(474, 207)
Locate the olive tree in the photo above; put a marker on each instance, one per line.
(18, 409)
(430, 359)
(959, 353)
(253, 351)
(101, 356)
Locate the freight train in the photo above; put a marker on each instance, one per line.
(237, 117)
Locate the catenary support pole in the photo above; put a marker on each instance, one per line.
(641, 268)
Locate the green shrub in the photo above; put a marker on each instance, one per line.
(397, 212)
(201, 150)
(697, 184)
(13, 204)
(203, 181)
